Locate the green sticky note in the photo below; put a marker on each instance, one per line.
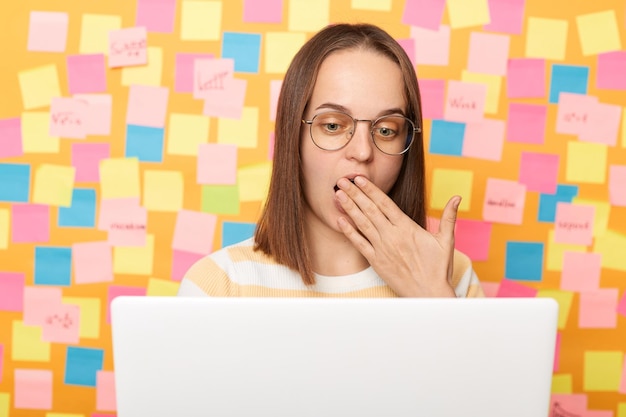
(220, 199)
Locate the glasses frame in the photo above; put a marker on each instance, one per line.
(414, 129)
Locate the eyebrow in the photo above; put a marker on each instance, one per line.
(339, 107)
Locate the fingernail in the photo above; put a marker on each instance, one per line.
(359, 181)
(457, 202)
(342, 196)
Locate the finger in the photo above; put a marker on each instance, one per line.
(358, 241)
(376, 201)
(361, 220)
(448, 219)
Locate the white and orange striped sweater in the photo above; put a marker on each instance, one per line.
(239, 271)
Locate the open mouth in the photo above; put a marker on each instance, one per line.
(336, 188)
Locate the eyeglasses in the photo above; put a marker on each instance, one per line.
(332, 130)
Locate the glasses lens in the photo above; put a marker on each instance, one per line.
(331, 130)
(393, 134)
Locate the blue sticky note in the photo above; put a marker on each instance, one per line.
(144, 143)
(234, 232)
(548, 202)
(244, 48)
(568, 79)
(524, 261)
(82, 365)
(53, 265)
(82, 212)
(14, 182)
(446, 138)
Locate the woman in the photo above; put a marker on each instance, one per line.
(346, 212)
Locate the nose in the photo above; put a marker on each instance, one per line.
(360, 147)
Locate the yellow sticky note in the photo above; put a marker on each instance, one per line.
(5, 224)
(54, 185)
(162, 288)
(119, 177)
(38, 86)
(64, 415)
(601, 215)
(280, 48)
(308, 15)
(134, 260)
(201, 20)
(89, 315)
(449, 182)
(564, 299)
(466, 13)
(546, 38)
(555, 251)
(598, 32)
(27, 343)
(253, 181)
(493, 83)
(186, 132)
(243, 132)
(561, 384)
(611, 246)
(150, 74)
(5, 401)
(586, 162)
(602, 370)
(36, 133)
(378, 5)
(163, 190)
(94, 33)
(621, 410)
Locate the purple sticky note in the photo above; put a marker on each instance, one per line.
(526, 78)
(263, 11)
(86, 159)
(119, 290)
(156, 15)
(147, 106)
(617, 185)
(217, 164)
(11, 291)
(473, 237)
(506, 16)
(539, 172)
(581, 271)
(484, 139)
(86, 73)
(181, 262)
(11, 138)
(423, 13)
(510, 288)
(30, 223)
(47, 31)
(194, 232)
(433, 94)
(488, 53)
(611, 70)
(526, 123)
(432, 47)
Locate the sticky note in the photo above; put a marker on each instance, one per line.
(493, 84)
(1, 373)
(38, 301)
(163, 190)
(235, 232)
(30, 223)
(568, 79)
(611, 66)
(467, 13)
(275, 86)
(186, 132)
(586, 163)
(27, 343)
(110, 207)
(433, 95)
(47, 31)
(68, 118)
(62, 324)
(488, 53)
(181, 262)
(564, 299)
(128, 47)
(308, 15)
(574, 224)
(546, 38)
(117, 291)
(86, 159)
(201, 20)
(264, 11)
(99, 113)
(621, 307)
(280, 48)
(211, 75)
(598, 308)
(425, 14)
(82, 365)
(253, 181)
(134, 260)
(510, 288)
(449, 182)
(602, 125)
(556, 251)
(465, 101)
(54, 185)
(92, 262)
(5, 228)
(220, 199)
(446, 138)
(598, 32)
(89, 315)
(128, 227)
(506, 16)
(147, 106)
(242, 132)
(408, 44)
(5, 402)
(573, 112)
(526, 123)
(568, 403)
(119, 178)
(33, 389)
(526, 78)
(617, 185)
(217, 164)
(94, 32)
(105, 391)
(539, 171)
(504, 201)
(53, 265)
(524, 261)
(156, 15)
(150, 74)
(484, 139)
(144, 143)
(473, 238)
(602, 370)
(15, 182)
(38, 86)
(162, 288)
(432, 46)
(581, 271)
(12, 291)
(194, 232)
(11, 134)
(228, 102)
(380, 5)
(36, 133)
(244, 48)
(612, 255)
(184, 71)
(86, 73)
(561, 384)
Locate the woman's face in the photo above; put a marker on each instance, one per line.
(365, 85)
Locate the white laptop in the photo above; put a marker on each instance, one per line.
(220, 357)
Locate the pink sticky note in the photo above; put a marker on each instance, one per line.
(423, 13)
(110, 206)
(573, 112)
(526, 123)
(128, 226)
(47, 31)
(181, 262)
(33, 389)
(275, 86)
(99, 113)
(184, 79)
(1, 361)
(490, 288)
(598, 413)
(622, 386)
(433, 94)
(473, 238)
(573, 224)
(11, 291)
(465, 101)
(598, 309)
(581, 271)
(611, 70)
(526, 78)
(194, 232)
(617, 185)
(119, 290)
(30, 223)
(557, 353)
(602, 125)
(270, 146)
(227, 102)
(105, 391)
(147, 106)
(562, 405)
(156, 15)
(510, 288)
(504, 201)
(484, 139)
(212, 75)
(86, 73)
(217, 164)
(432, 47)
(488, 53)
(86, 159)
(38, 301)
(263, 11)
(621, 307)
(128, 47)
(11, 138)
(62, 324)
(506, 16)
(68, 118)
(539, 172)
(408, 44)
(93, 262)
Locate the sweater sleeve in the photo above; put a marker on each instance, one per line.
(464, 279)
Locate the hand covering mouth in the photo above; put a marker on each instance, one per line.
(336, 188)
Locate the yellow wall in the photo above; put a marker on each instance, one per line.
(35, 357)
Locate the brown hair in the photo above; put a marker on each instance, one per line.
(280, 231)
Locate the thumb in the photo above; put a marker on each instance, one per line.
(448, 219)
